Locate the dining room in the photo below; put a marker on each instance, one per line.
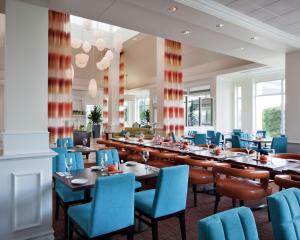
(137, 120)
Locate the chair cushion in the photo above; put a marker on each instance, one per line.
(242, 189)
(81, 214)
(66, 194)
(137, 184)
(200, 176)
(161, 163)
(144, 201)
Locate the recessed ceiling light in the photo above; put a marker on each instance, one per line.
(254, 38)
(220, 25)
(172, 9)
(240, 49)
(134, 39)
(185, 32)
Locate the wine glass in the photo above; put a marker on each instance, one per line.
(66, 143)
(69, 164)
(84, 142)
(271, 154)
(249, 147)
(146, 156)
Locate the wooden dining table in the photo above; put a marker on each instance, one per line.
(140, 171)
(258, 142)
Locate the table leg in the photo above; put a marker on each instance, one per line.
(87, 195)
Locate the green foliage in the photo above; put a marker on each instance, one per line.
(95, 117)
(192, 116)
(272, 121)
(145, 117)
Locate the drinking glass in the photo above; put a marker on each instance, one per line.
(271, 154)
(146, 156)
(69, 164)
(84, 142)
(249, 147)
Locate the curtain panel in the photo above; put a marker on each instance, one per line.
(105, 98)
(59, 77)
(121, 90)
(173, 113)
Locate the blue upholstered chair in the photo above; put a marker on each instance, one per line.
(284, 208)
(261, 133)
(112, 159)
(62, 142)
(174, 138)
(236, 130)
(58, 158)
(167, 200)
(236, 141)
(210, 134)
(192, 133)
(216, 139)
(278, 143)
(200, 138)
(64, 196)
(111, 210)
(233, 224)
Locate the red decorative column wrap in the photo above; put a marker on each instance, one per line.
(105, 98)
(121, 91)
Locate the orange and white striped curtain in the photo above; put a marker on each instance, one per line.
(59, 77)
(173, 89)
(121, 91)
(105, 98)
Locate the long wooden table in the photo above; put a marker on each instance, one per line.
(274, 165)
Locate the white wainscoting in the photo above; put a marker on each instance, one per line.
(27, 200)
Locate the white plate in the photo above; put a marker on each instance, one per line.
(79, 181)
(95, 168)
(131, 163)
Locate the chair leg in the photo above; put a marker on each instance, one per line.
(182, 225)
(233, 203)
(280, 188)
(195, 194)
(269, 216)
(217, 202)
(154, 226)
(130, 233)
(242, 203)
(70, 230)
(66, 220)
(56, 207)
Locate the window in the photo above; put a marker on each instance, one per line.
(198, 108)
(238, 107)
(269, 106)
(126, 112)
(143, 111)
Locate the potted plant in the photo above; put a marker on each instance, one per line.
(95, 119)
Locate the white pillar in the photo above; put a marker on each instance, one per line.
(113, 94)
(292, 113)
(26, 166)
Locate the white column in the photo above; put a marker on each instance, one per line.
(292, 113)
(26, 166)
(113, 94)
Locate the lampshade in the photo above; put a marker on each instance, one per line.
(106, 62)
(110, 55)
(81, 60)
(100, 44)
(92, 88)
(86, 46)
(75, 43)
(100, 66)
(118, 45)
(70, 72)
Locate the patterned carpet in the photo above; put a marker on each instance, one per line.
(169, 229)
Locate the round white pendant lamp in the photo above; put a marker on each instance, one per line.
(100, 66)
(92, 88)
(110, 55)
(100, 44)
(81, 60)
(75, 43)
(86, 46)
(70, 72)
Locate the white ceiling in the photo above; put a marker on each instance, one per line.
(198, 16)
(282, 14)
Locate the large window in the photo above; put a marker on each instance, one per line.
(238, 107)
(143, 111)
(269, 106)
(198, 108)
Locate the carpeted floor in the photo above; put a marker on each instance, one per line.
(169, 229)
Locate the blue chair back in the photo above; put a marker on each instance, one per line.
(279, 144)
(236, 141)
(62, 141)
(58, 158)
(261, 133)
(284, 207)
(171, 191)
(216, 139)
(192, 133)
(112, 156)
(200, 138)
(246, 136)
(233, 224)
(78, 163)
(236, 130)
(211, 134)
(112, 205)
(174, 139)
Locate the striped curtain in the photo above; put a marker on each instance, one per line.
(173, 89)
(121, 91)
(105, 98)
(59, 77)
